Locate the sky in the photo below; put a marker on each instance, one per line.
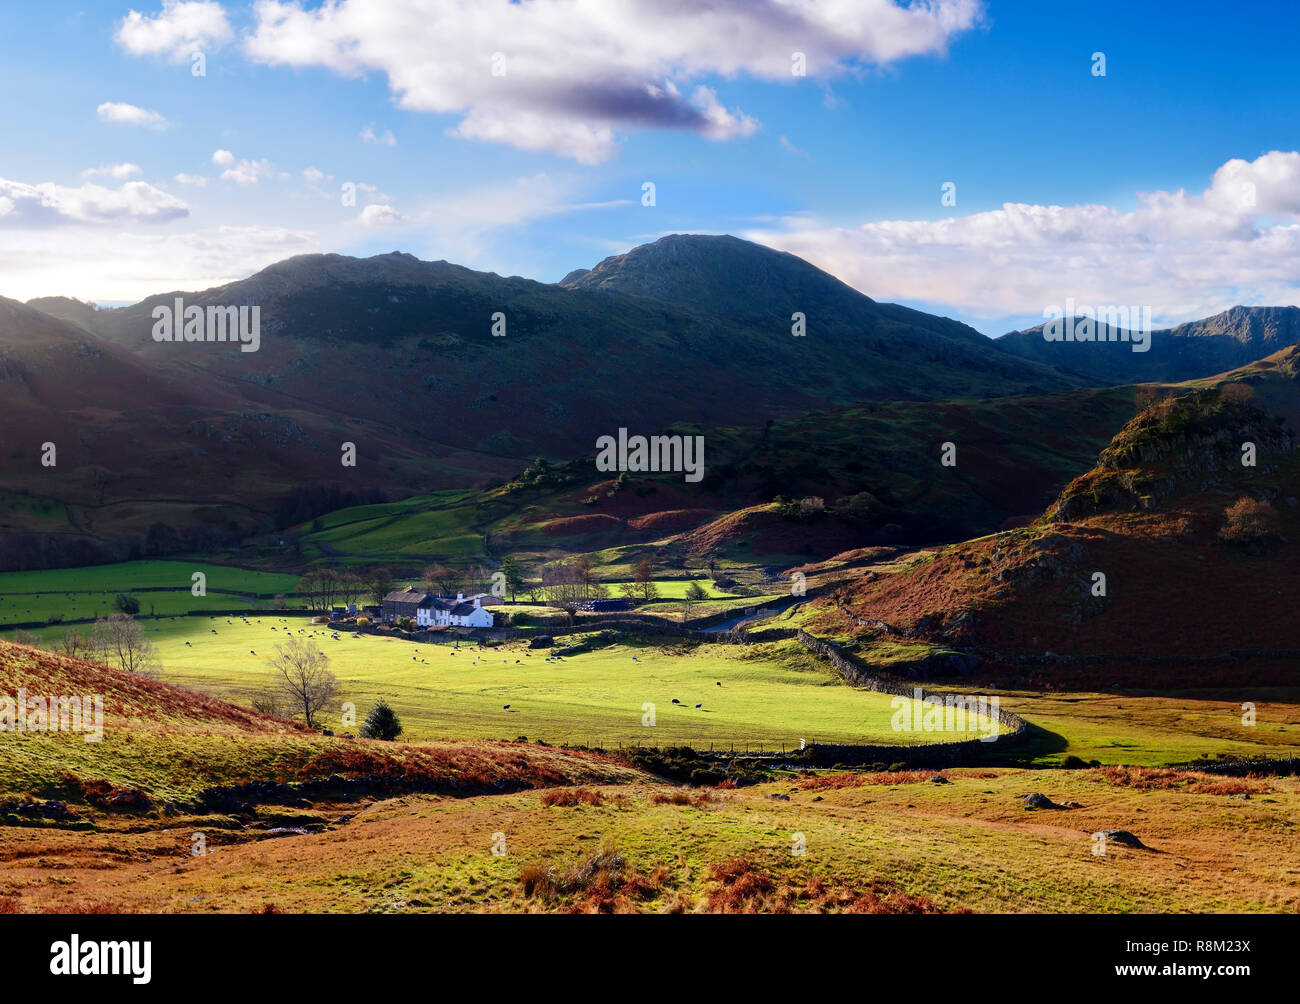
(981, 160)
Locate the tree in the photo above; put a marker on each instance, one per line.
(562, 588)
(350, 588)
(379, 583)
(440, 579)
(162, 539)
(644, 580)
(127, 604)
(1247, 521)
(695, 591)
(381, 723)
(300, 674)
(118, 640)
(477, 578)
(514, 575)
(311, 589)
(73, 643)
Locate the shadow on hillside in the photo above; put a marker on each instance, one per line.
(1038, 742)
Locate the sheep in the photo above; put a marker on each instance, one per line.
(699, 706)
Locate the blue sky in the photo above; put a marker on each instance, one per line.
(126, 174)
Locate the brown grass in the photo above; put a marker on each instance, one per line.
(698, 799)
(572, 796)
(600, 883)
(845, 779)
(742, 887)
(1164, 779)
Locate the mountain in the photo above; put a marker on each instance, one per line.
(398, 357)
(1195, 349)
(410, 343)
(1197, 550)
(76, 312)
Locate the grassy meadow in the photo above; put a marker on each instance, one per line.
(76, 593)
(769, 694)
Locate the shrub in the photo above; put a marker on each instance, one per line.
(127, 604)
(381, 723)
(1248, 521)
(363, 622)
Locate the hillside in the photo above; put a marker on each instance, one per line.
(408, 342)
(1200, 348)
(150, 459)
(162, 743)
(1191, 571)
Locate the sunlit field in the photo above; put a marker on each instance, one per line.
(770, 695)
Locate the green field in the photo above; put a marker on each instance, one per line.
(414, 528)
(769, 695)
(77, 593)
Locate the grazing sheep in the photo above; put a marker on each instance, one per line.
(505, 707)
(251, 652)
(675, 701)
(699, 705)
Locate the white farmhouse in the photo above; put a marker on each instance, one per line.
(469, 613)
(435, 612)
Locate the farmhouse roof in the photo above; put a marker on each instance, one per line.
(406, 596)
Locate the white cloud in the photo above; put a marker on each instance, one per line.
(563, 75)
(117, 171)
(315, 175)
(103, 265)
(247, 173)
(121, 113)
(379, 215)
(49, 205)
(1186, 256)
(180, 30)
(386, 138)
(196, 180)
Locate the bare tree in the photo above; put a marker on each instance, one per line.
(350, 588)
(299, 670)
(379, 583)
(118, 640)
(72, 642)
(563, 588)
(440, 579)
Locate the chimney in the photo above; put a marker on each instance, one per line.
(460, 597)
